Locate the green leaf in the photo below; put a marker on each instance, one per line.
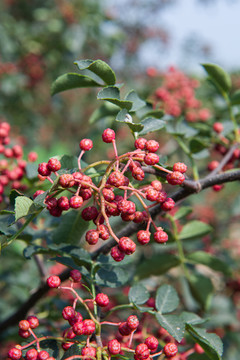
(112, 276)
(71, 228)
(23, 207)
(138, 294)
(74, 350)
(218, 76)
(68, 162)
(173, 324)
(112, 94)
(194, 229)
(201, 289)
(196, 146)
(157, 265)
(51, 346)
(151, 124)
(167, 299)
(182, 212)
(191, 318)
(100, 68)
(65, 260)
(211, 343)
(201, 257)
(71, 81)
(80, 256)
(235, 98)
(137, 103)
(125, 118)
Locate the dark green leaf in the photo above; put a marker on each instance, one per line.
(65, 260)
(218, 76)
(201, 257)
(138, 294)
(182, 212)
(196, 146)
(100, 68)
(51, 346)
(23, 207)
(137, 103)
(74, 350)
(235, 98)
(68, 162)
(173, 324)
(211, 343)
(80, 256)
(157, 265)
(112, 276)
(191, 318)
(202, 289)
(112, 94)
(167, 299)
(194, 229)
(71, 81)
(71, 228)
(151, 124)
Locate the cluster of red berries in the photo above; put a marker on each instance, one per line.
(176, 96)
(112, 196)
(87, 327)
(12, 166)
(129, 331)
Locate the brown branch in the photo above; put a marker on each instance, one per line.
(189, 187)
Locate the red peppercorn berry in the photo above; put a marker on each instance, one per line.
(33, 321)
(53, 281)
(15, 354)
(170, 349)
(143, 237)
(160, 236)
(31, 354)
(75, 275)
(126, 245)
(86, 144)
(114, 347)
(117, 254)
(108, 135)
(102, 299)
(54, 164)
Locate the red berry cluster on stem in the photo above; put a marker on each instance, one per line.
(116, 192)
